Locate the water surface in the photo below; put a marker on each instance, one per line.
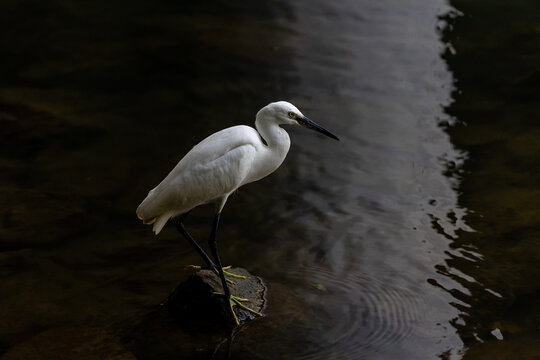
(99, 101)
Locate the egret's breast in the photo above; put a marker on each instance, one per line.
(267, 160)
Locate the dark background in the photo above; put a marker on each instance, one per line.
(422, 223)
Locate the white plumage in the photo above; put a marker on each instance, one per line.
(223, 162)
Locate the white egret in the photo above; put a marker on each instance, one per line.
(215, 168)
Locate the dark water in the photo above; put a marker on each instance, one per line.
(497, 69)
(422, 223)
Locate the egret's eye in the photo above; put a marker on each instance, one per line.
(292, 115)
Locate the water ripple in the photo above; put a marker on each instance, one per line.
(360, 313)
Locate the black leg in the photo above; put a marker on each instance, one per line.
(213, 249)
(200, 251)
(232, 300)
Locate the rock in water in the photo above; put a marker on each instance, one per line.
(194, 301)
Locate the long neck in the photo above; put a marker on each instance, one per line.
(273, 152)
(273, 135)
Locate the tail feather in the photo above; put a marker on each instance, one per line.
(150, 212)
(153, 210)
(160, 222)
(141, 216)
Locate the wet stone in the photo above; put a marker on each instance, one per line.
(192, 323)
(197, 301)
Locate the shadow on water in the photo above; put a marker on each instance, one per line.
(362, 243)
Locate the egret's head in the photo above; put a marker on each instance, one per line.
(285, 113)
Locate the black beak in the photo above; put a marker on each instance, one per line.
(305, 122)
